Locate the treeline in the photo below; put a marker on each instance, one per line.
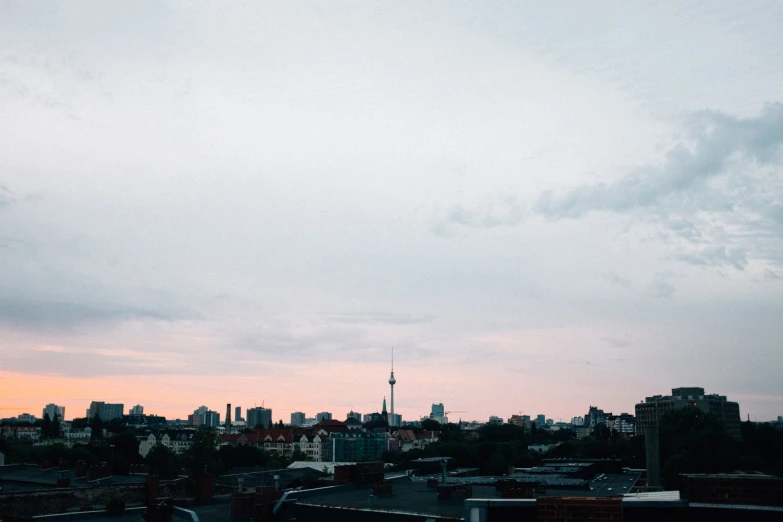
(691, 441)
(121, 450)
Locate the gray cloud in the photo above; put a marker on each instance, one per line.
(617, 280)
(506, 211)
(382, 317)
(48, 314)
(717, 196)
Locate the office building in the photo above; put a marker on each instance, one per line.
(355, 415)
(324, 415)
(540, 420)
(649, 412)
(395, 420)
(259, 417)
(137, 410)
(53, 411)
(298, 418)
(578, 421)
(494, 419)
(356, 446)
(238, 414)
(106, 411)
(210, 418)
(438, 410)
(595, 417)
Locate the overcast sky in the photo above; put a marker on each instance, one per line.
(540, 206)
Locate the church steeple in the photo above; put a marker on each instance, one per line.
(384, 414)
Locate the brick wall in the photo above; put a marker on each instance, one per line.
(570, 509)
(742, 489)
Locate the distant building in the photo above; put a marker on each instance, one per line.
(550, 422)
(210, 418)
(438, 410)
(540, 420)
(780, 419)
(649, 412)
(493, 419)
(395, 420)
(26, 417)
(298, 418)
(520, 420)
(595, 417)
(259, 417)
(137, 410)
(106, 411)
(238, 414)
(53, 410)
(625, 423)
(578, 421)
(144, 420)
(355, 446)
(355, 415)
(175, 440)
(324, 415)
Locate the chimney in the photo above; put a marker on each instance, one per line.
(228, 419)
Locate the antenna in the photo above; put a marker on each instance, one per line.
(392, 359)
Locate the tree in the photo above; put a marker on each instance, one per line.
(430, 425)
(693, 441)
(161, 461)
(96, 425)
(56, 431)
(46, 427)
(298, 455)
(203, 454)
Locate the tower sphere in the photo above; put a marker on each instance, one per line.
(392, 380)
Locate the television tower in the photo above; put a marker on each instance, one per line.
(392, 382)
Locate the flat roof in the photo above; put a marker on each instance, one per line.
(406, 497)
(414, 496)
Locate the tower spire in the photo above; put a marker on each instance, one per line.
(392, 382)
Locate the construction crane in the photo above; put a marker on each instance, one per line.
(454, 411)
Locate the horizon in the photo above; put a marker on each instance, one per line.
(537, 207)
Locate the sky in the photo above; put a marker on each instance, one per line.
(539, 206)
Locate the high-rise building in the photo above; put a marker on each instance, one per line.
(395, 420)
(210, 418)
(259, 417)
(438, 410)
(595, 417)
(578, 421)
(541, 420)
(653, 408)
(298, 418)
(137, 410)
(238, 414)
(106, 411)
(324, 415)
(52, 410)
(649, 413)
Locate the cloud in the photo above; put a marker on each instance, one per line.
(717, 195)
(771, 275)
(42, 313)
(383, 317)
(503, 212)
(662, 289)
(6, 196)
(617, 280)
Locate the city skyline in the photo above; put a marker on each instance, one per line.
(539, 207)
